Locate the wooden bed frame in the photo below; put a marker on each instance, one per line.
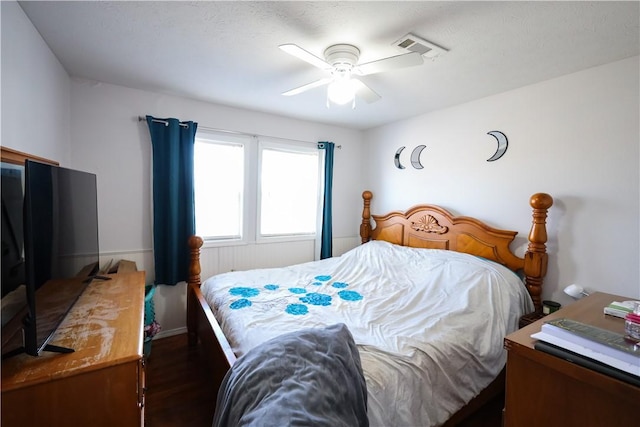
(423, 226)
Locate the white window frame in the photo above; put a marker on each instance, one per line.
(294, 147)
(231, 138)
(253, 145)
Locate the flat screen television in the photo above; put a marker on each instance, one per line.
(61, 252)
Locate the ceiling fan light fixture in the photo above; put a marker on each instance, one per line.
(341, 91)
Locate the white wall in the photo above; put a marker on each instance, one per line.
(107, 139)
(575, 137)
(35, 90)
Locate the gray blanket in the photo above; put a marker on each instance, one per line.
(311, 377)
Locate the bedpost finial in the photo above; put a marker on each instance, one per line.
(541, 201)
(365, 227)
(195, 242)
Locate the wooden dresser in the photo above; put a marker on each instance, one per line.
(545, 390)
(102, 382)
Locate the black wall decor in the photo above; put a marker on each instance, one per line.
(500, 137)
(396, 158)
(415, 156)
(503, 144)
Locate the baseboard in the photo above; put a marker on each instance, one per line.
(170, 333)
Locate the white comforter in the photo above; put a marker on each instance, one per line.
(429, 324)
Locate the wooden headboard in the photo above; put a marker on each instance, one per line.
(428, 226)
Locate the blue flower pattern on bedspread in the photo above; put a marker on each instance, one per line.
(241, 303)
(315, 298)
(297, 309)
(244, 292)
(350, 295)
(304, 297)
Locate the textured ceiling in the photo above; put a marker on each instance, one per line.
(227, 52)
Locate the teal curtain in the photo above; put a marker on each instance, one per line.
(173, 197)
(326, 248)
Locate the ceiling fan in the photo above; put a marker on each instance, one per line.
(341, 62)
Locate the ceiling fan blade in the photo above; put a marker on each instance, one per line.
(300, 53)
(391, 63)
(308, 86)
(365, 92)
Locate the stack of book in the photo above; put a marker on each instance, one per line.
(594, 348)
(619, 308)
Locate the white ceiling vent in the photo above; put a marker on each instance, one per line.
(413, 43)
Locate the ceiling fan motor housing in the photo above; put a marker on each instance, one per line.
(343, 57)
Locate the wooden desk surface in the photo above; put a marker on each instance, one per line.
(89, 328)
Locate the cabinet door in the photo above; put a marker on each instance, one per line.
(104, 397)
(559, 393)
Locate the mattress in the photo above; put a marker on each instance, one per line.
(429, 324)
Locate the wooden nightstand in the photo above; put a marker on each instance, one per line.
(545, 390)
(528, 319)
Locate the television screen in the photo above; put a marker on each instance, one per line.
(61, 246)
(12, 234)
(14, 297)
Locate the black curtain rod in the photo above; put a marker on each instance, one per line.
(166, 123)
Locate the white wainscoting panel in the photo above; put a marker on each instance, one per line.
(344, 244)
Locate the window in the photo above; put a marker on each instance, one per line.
(219, 168)
(255, 188)
(288, 190)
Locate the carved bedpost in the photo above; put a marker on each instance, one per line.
(365, 227)
(195, 243)
(536, 258)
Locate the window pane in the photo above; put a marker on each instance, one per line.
(219, 184)
(289, 192)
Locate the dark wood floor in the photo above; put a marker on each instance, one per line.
(489, 416)
(177, 392)
(178, 395)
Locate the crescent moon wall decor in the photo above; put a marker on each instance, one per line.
(396, 159)
(503, 144)
(415, 156)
